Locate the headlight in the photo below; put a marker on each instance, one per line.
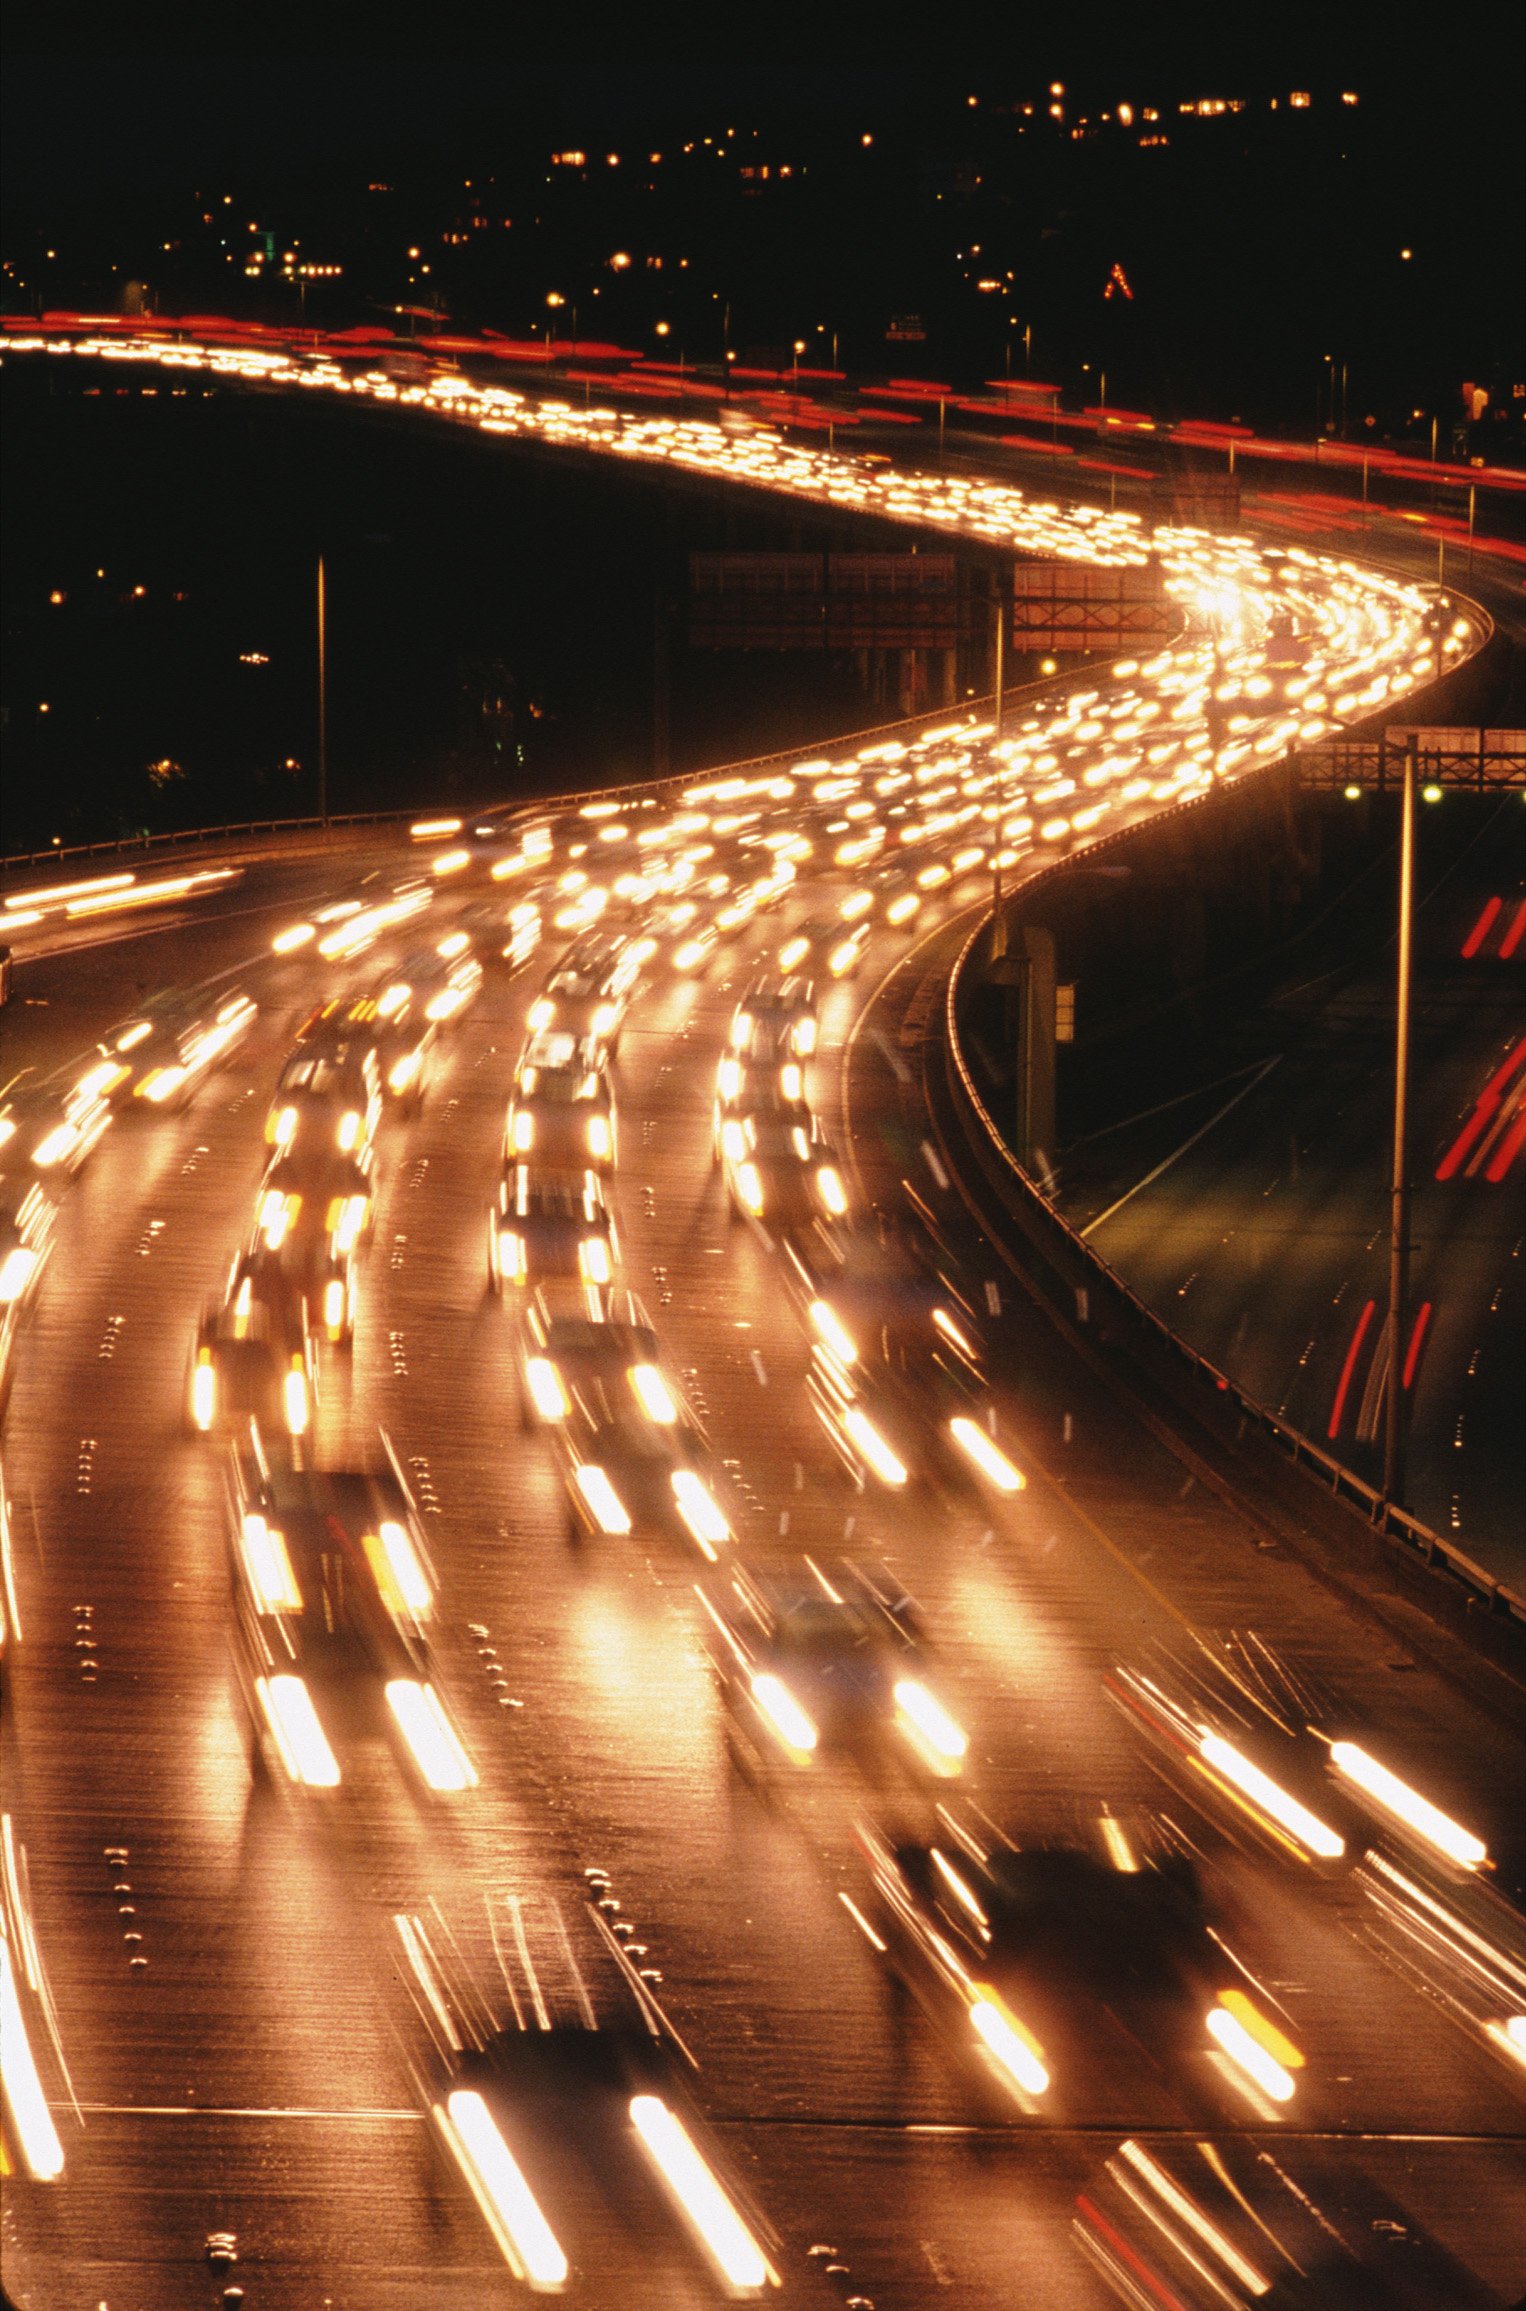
(608, 1510)
(349, 1129)
(831, 1191)
(750, 1188)
(403, 1072)
(805, 1036)
(741, 1031)
(834, 1332)
(600, 1140)
(540, 1014)
(653, 1394)
(16, 1271)
(525, 2239)
(594, 1260)
(544, 1383)
(987, 1456)
(280, 1128)
(295, 1400)
(299, 1738)
(511, 1256)
(929, 1725)
(728, 1081)
(784, 1715)
(1015, 2049)
(204, 1391)
(334, 1307)
(605, 1019)
(873, 1448)
(523, 1135)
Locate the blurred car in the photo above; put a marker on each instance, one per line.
(637, 1462)
(311, 1215)
(53, 1126)
(587, 993)
(180, 1057)
(328, 1096)
(775, 1020)
(1224, 2226)
(557, 2092)
(27, 1217)
(825, 943)
(758, 1087)
(1245, 1771)
(562, 1112)
(812, 1660)
(568, 1340)
(1027, 1959)
(253, 1360)
(334, 1604)
(550, 1227)
(781, 1174)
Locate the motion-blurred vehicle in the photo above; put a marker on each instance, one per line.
(182, 1053)
(569, 1340)
(1030, 1960)
(825, 943)
(334, 1605)
(1225, 2226)
(637, 1462)
(758, 1087)
(311, 1215)
(253, 1360)
(27, 1217)
(587, 993)
(558, 2093)
(550, 1227)
(821, 1660)
(775, 1020)
(328, 1096)
(562, 1112)
(781, 1175)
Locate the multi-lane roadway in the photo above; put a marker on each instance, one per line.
(219, 2000)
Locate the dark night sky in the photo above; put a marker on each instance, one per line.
(102, 119)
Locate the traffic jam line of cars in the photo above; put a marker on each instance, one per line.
(1012, 1949)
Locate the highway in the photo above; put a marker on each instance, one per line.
(221, 1950)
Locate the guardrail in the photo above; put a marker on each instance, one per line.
(1018, 1191)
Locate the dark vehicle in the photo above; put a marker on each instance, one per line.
(562, 1112)
(819, 1661)
(558, 2093)
(781, 1174)
(570, 1340)
(312, 1214)
(253, 1360)
(550, 1227)
(637, 1462)
(1037, 1963)
(334, 1602)
(586, 995)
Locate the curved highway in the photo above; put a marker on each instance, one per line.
(245, 2001)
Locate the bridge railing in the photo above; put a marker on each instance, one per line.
(1079, 1269)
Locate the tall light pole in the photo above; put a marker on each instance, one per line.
(323, 697)
(1398, 1249)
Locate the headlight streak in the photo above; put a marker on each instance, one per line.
(1246, 2050)
(1003, 2036)
(700, 1511)
(1266, 1796)
(1407, 1807)
(787, 1721)
(525, 2239)
(928, 1725)
(300, 1740)
(547, 1394)
(986, 1455)
(699, 2197)
(608, 1510)
(36, 2135)
(432, 1739)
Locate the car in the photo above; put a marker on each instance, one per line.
(253, 1360)
(549, 1227)
(27, 1218)
(554, 2086)
(812, 1660)
(587, 993)
(1038, 1962)
(334, 1607)
(747, 1087)
(637, 1463)
(311, 1215)
(781, 1174)
(53, 1127)
(184, 1052)
(568, 1339)
(393, 1020)
(1225, 2226)
(562, 1112)
(328, 1095)
(826, 943)
(775, 1020)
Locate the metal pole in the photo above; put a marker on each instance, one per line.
(1398, 1250)
(1472, 517)
(323, 697)
(998, 919)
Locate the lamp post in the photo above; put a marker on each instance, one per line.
(1398, 1250)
